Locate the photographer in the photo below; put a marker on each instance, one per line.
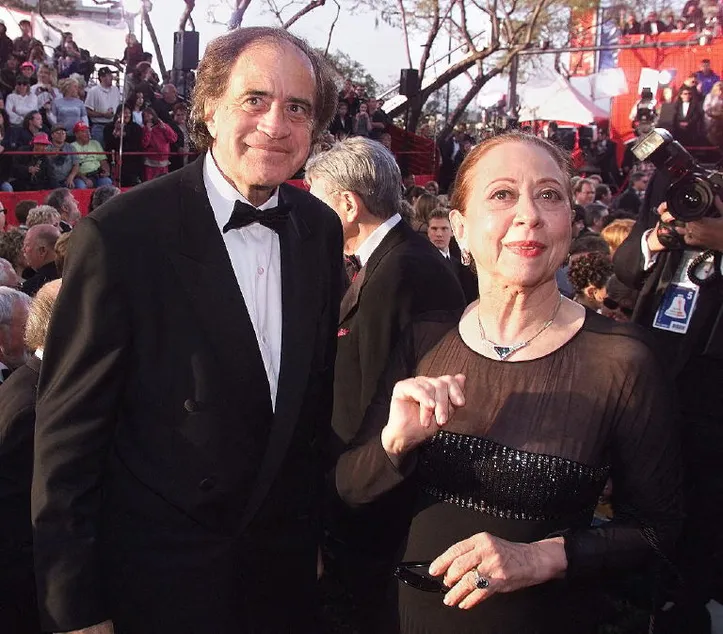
(686, 319)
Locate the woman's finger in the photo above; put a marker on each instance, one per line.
(466, 586)
(460, 566)
(442, 563)
(428, 405)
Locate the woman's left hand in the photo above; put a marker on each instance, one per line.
(506, 566)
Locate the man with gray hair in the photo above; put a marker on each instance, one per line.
(395, 275)
(18, 600)
(13, 315)
(43, 215)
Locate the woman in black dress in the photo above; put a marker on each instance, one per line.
(130, 135)
(519, 413)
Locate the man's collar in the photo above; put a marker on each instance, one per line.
(374, 239)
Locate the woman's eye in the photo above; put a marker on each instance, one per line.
(550, 194)
(502, 194)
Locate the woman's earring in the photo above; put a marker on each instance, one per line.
(466, 257)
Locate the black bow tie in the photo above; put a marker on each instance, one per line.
(245, 214)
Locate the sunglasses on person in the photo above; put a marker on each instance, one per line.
(416, 575)
(611, 304)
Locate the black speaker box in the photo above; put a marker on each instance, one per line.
(409, 82)
(185, 50)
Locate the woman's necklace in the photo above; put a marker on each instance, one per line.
(503, 352)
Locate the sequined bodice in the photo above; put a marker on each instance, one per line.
(486, 476)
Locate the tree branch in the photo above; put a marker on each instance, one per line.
(403, 13)
(313, 4)
(477, 85)
(186, 16)
(331, 29)
(154, 39)
(47, 22)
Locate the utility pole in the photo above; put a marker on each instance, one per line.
(512, 101)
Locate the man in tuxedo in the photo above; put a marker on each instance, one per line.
(439, 232)
(653, 25)
(395, 276)
(631, 198)
(64, 202)
(687, 119)
(656, 259)
(186, 388)
(13, 315)
(18, 600)
(451, 153)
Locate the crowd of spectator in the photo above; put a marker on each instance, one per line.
(64, 122)
(697, 16)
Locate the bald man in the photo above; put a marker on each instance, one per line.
(39, 252)
(18, 603)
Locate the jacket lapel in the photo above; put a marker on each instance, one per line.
(299, 272)
(396, 235)
(203, 264)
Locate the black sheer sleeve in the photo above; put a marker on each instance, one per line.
(364, 472)
(646, 471)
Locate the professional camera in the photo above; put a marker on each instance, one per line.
(693, 188)
(645, 108)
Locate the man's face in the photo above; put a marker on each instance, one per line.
(70, 211)
(586, 195)
(342, 109)
(59, 137)
(26, 29)
(685, 96)
(439, 232)
(27, 72)
(82, 136)
(641, 184)
(263, 123)
(705, 67)
(106, 80)
(34, 250)
(39, 148)
(12, 63)
(169, 93)
(386, 141)
(12, 347)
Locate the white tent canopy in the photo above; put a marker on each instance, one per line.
(551, 98)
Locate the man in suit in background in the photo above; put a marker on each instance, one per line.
(439, 232)
(631, 198)
(39, 252)
(395, 276)
(688, 119)
(186, 387)
(13, 315)
(18, 599)
(451, 152)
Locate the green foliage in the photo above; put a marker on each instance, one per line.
(348, 68)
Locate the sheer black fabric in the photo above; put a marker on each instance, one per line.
(526, 458)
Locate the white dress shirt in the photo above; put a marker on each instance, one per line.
(685, 106)
(255, 256)
(374, 239)
(444, 252)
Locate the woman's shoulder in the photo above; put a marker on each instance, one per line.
(618, 341)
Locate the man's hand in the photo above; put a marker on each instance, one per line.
(706, 233)
(69, 182)
(106, 627)
(654, 243)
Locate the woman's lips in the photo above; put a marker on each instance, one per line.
(526, 248)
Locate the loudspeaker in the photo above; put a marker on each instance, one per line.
(185, 50)
(409, 82)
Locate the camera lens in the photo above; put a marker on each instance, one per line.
(690, 200)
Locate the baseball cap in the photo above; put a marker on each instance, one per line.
(41, 138)
(27, 65)
(57, 127)
(80, 126)
(103, 71)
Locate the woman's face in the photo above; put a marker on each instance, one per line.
(363, 108)
(139, 99)
(43, 75)
(22, 89)
(126, 116)
(517, 221)
(72, 90)
(147, 117)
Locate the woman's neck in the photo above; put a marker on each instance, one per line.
(509, 315)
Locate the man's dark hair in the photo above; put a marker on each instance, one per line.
(101, 195)
(636, 176)
(590, 269)
(593, 213)
(57, 198)
(601, 191)
(439, 212)
(27, 118)
(214, 71)
(589, 244)
(22, 207)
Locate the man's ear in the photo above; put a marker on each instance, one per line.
(352, 206)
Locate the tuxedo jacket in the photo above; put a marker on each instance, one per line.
(18, 601)
(692, 133)
(168, 495)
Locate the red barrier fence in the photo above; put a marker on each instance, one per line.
(83, 196)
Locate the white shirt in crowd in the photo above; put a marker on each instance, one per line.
(374, 239)
(255, 255)
(686, 106)
(102, 99)
(444, 252)
(18, 106)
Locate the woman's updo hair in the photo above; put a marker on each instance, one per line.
(464, 181)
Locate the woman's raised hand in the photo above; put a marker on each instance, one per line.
(419, 407)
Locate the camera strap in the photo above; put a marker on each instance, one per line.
(669, 237)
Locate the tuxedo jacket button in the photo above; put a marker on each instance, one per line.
(190, 406)
(207, 484)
